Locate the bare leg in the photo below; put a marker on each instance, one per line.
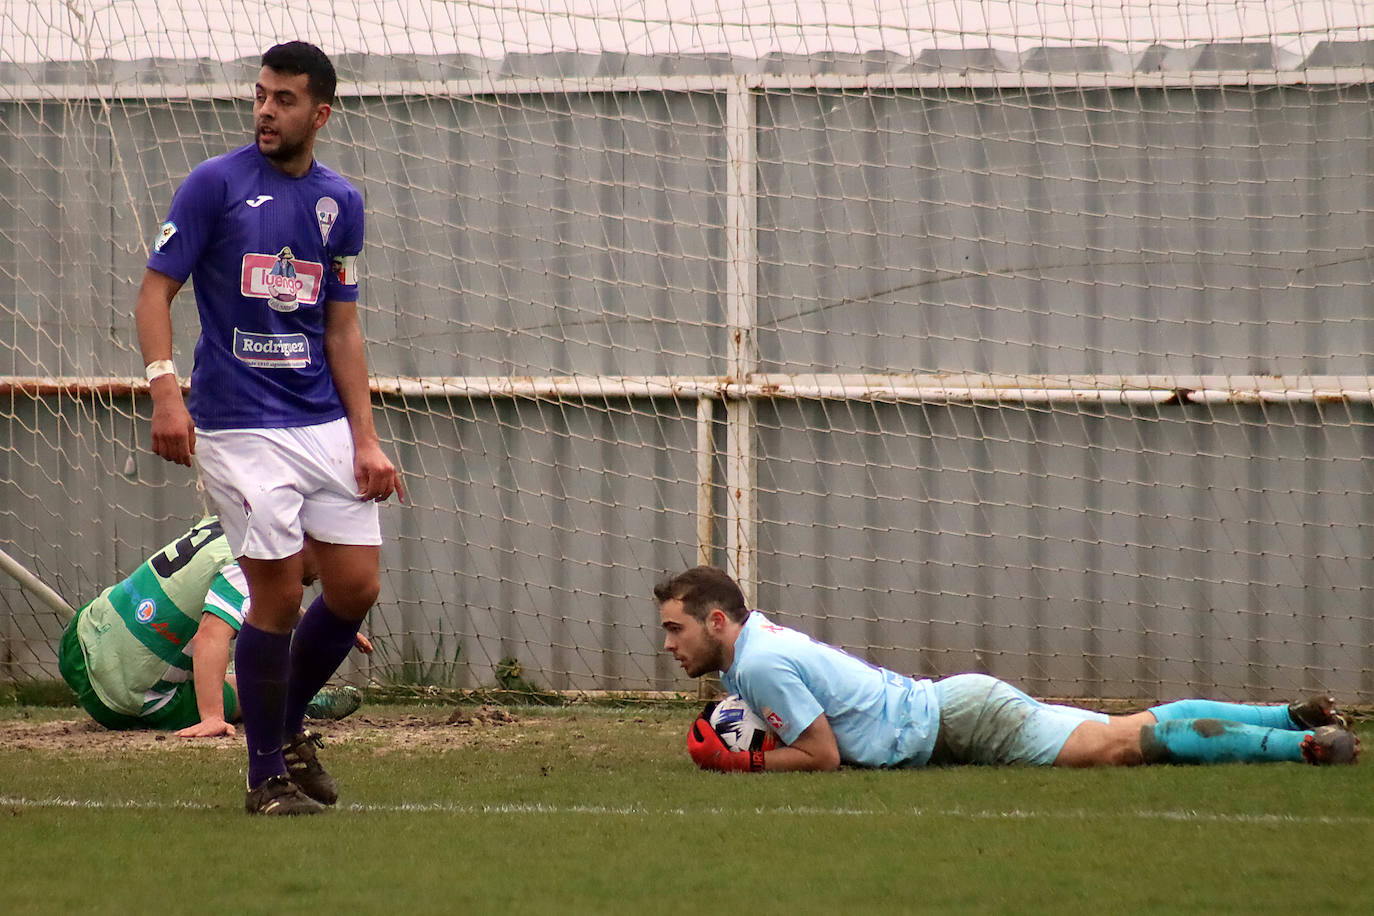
(1113, 743)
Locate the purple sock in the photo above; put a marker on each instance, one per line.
(322, 641)
(262, 662)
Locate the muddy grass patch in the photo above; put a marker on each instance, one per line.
(403, 728)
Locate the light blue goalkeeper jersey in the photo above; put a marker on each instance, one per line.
(880, 718)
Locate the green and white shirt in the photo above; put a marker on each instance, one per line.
(136, 636)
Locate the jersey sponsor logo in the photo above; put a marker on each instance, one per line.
(773, 719)
(272, 351)
(285, 281)
(146, 611)
(326, 212)
(282, 281)
(164, 234)
(346, 269)
(259, 200)
(165, 629)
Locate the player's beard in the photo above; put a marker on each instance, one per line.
(287, 149)
(712, 658)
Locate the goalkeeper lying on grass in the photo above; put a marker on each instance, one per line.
(153, 650)
(829, 708)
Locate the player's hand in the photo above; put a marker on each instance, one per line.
(174, 432)
(362, 644)
(207, 728)
(377, 477)
(710, 753)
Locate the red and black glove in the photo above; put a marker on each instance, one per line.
(710, 753)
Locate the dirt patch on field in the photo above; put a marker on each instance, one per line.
(386, 731)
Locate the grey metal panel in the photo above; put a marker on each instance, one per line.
(542, 234)
(158, 73)
(59, 217)
(368, 68)
(10, 311)
(569, 64)
(535, 530)
(73, 510)
(965, 59)
(1218, 222)
(833, 62)
(1070, 550)
(705, 63)
(1247, 56)
(1206, 575)
(532, 530)
(1151, 60)
(626, 277)
(82, 201)
(1341, 54)
(1241, 55)
(1076, 59)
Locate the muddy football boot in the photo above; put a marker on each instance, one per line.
(303, 766)
(1330, 744)
(279, 796)
(1316, 711)
(334, 703)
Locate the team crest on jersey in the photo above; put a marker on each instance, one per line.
(284, 280)
(146, 610)
(164, 234)
(326, 212)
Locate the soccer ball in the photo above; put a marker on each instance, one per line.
(740, 728)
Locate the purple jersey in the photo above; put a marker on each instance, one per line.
(265, 252)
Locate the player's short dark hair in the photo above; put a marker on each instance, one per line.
(297, 57)
(701, 590)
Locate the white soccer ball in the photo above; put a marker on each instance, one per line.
(740, 728)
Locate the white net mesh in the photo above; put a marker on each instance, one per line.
(1030, 338)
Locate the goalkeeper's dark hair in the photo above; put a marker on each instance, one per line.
(297, 57)
(701, 590)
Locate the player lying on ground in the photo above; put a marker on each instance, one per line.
(829, 708)
(152, 651)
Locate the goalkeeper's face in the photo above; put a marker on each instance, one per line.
(698, 650)
(286, 116)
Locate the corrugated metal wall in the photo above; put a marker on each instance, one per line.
(1072, 549)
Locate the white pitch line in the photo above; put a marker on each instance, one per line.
(1020, 814)
(130, 804)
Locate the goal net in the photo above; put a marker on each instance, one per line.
(1031, 338)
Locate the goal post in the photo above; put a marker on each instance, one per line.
(1012, 342)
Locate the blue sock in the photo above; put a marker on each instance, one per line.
(262, 662)
(1217, 741)
(1269, 716)
(322, 641)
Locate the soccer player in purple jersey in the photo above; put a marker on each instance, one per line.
(279, 415)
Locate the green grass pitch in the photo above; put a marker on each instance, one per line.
(599, 810)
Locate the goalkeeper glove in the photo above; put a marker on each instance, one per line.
(710, 753)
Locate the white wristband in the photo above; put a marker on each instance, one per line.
(158, 368)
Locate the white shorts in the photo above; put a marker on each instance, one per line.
(274, 486)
